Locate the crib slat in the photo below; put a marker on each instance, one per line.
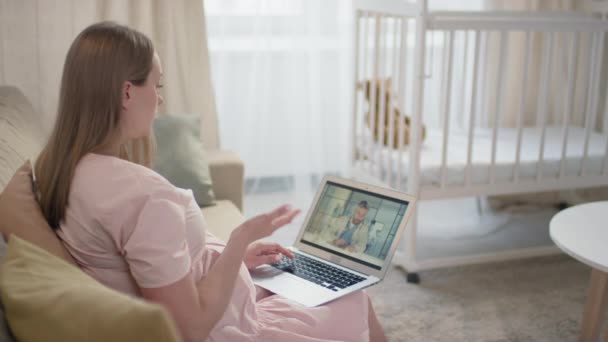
(522, 106)
(605, 117)
(372, 91)
(430, 55)
(596, 68)
(391, 103)
(413, 176)
(467, 175)
(464, 79)
(365, 19)
(380, 132)
(558, 72)
(543, 99)
(356, 51)
(443, 73)
(588, 111)
(569, 103)
(446, 100)
(605, 126)
(596, 87)
(605, 160)
(401, 99)
(605, 133)
(499, 94)
(587, 118)
(365, 75)
(483, 100)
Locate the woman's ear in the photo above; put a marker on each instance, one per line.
(126, 96)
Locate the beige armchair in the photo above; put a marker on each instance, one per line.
(227, 175)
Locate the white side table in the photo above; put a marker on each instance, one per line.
(582, 232)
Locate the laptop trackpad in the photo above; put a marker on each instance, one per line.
(290, 286)
(265, 272)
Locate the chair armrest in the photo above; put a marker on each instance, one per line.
(228, 176)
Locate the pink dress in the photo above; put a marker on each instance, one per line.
(129, 228)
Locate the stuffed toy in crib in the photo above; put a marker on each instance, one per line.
(397, 116)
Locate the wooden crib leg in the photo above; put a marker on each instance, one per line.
(413, 278)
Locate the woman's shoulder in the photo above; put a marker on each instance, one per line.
(114, 193)
(106, 179)
(103, 167)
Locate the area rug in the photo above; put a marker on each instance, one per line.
(537, 299)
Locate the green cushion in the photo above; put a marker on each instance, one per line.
(181, 157)
(48, 299)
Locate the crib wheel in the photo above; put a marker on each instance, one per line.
(413, 278)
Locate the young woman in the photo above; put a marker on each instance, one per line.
(133, 231)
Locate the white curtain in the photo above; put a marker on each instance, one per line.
(281, 71)
(36, 34)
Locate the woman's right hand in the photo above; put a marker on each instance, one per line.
(264, 225)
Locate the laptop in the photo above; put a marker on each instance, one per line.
(345, 244)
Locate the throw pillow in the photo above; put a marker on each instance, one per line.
(20, 214)
(47, 299)
(5, 333)
(181, 157)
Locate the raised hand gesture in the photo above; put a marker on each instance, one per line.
(264, 225)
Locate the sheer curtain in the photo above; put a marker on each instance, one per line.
(281, 72)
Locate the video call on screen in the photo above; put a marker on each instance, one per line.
(356, 224)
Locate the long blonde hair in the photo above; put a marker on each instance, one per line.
(99, 61)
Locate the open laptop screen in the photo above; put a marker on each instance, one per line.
(354, 224)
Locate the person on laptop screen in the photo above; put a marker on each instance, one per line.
(350, 232)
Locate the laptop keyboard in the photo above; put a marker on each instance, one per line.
(320, 273)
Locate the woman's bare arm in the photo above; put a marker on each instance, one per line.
(197, 307)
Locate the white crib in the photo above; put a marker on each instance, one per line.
(562, 148)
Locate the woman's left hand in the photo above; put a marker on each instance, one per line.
(264, 252)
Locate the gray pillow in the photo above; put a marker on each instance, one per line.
(181, 157)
